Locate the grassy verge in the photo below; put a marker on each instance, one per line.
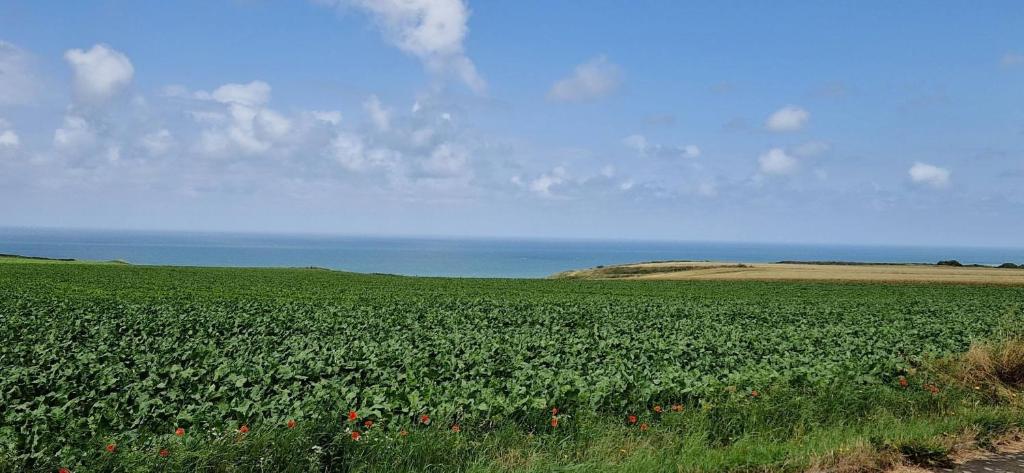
(946, 405)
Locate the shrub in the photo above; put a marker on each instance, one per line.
(998, 366)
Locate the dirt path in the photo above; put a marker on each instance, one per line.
(1004, 463)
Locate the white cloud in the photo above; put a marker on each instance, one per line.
(158, 142)
(333, 117)
(207, 117)
(592, 80)
(929, 175)
(637, 143)
(432, 30)
(544, 183)
(275, 125)
(788, 118)
(348, 150)
(380, 116)
(643, 147)
(776, 162)
(9, 139)
(1012, 59)
(17, 80)
(354, 153)
(249, 126)
(100, 72)
(75, 134)
(423, 136)
(253, 94)
(447, 161)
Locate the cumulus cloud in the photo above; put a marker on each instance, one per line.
(788, 118)
(249, 126)
(643, 147)
(776, 162)
(75, 134)
(99, 73)
(432, 30)
(592, 80)
(348, 150)
(929, 175)
(17, 79)
(417, 155)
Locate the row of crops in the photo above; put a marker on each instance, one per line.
(120, 352)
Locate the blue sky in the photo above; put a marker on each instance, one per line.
(852, 122)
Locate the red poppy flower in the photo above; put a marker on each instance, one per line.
(111, 448)
(456, 428)
(291, 423)
(356, 435)
(903, 382)
(657, 409)
(180, 432)
(164, 452)
(368, 423)
(424, 419)
(554, 422)
(644, 427)
(554, 411)
(632, 419)
(63, 470)
(677, 407)
(352, 416)
(243, 429)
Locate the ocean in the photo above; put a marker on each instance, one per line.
(466, 257)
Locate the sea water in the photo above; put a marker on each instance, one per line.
(468, 257)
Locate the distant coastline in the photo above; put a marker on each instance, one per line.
(41, 258)
(945, 271)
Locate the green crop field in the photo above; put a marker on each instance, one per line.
(102, 363)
